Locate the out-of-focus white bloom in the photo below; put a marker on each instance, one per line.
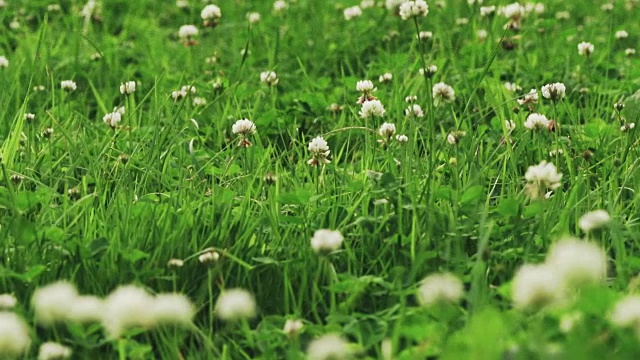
(436, 288)
(415, 110)
(387, 130)
(112, 119)
(280, 6)
(534, 286)
(393, 5)
(53, 302)
(563, 15)
(403, 139)
(14, 335)
(576, 262)
(352, 12)
(462, 21)
(410, 9)
(209, 257)
(626, 313)
(187, 32)
(364, 4)
(621, 34)
(7, 301)
(292, 327)
(269, 77)
(329, 347)
(235, 304)
(199, 101)
(371, 108)
(386, 77)
(122, 110)
(326, 240)
(454, 138)
(585, 48)
(513, 11)
(68, 85)
(487, 10)
(175, 263)
(510, 125)
(443, 93)
(627, 127)
(555, 91)
(530, 98)
(629, 51)
(29, 116)
(4, 63)
(482, 35)
(606, 7)
(53, 351)
(173, 309)
(128, 88)
(243, 127)
(319, 150)
(411, 99)
(569, 321)
(425, 35)
(593, 220)
(253, 17)
(210, 15)
(182, 4)
(365, 86)
(14, 24)
(127, 307)
(85, 309)
(39, 88)
(544, 175)
(429, 71)
(536, 121)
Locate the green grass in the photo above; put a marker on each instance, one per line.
(143, 198)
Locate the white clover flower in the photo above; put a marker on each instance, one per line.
(425, 35)
(530, 98)
(280, 6)
(326, 241)
(454, 138)
(174, 309)
(594, 220)
(410, 9)
(85, 309)
(415, 110)
(352, 12)
(329, 347)
(127, 307)
(513, 11)
(387, 130)
(209, 257)
(235, 304)
(536, 121)
(319, 150)
(386, 77)
(199, 101)
(627, 127)
(243, 127)
(112, 119)
(29, 116)
(626, 313)
(269, 77)
(487, 10)
(606, 7)
(7, 301)
(393, 5)
(629, 51)
(52, 303)
(510, 125)
(128, 88)
(482, 34)
(253, 17)
(187, 32)
(621, 34)
(555, 91)
(534, 286)
(429, 71)
(53, 351)
(39, 88)
(210, 14)
(372, 108)
(462, 21)
(175, 263)
(364, 4)
(292, 327)
(443, 93)
(4, 63)
(544, 175)
(365, 86)
(585, 48)
(576, 262)
(14, 335)
(122, 110)
(440, 288)
(563, 15)
(188, 89)
(411, 99)
(403, 139)
(68, 85)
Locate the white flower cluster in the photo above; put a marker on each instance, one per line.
(536, 121)
(244, 128)
(128, 88)
(269, 77)
(440, 288)
(4, 63)
(68, 85)
(371, 108)
(352, 12)
(411, 9)
(210, 15)
(442, 93)
(540, 178)
(14, 335)
(325, 241)
(235, 304)
(555, 91)
(585, 48)
(319, 149)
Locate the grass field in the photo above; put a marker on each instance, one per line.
(312, 179)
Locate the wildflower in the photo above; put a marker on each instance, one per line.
(510, 125)
(372, 108)
(319, 150)
(325, 240)
(367, 88)
(209, 257)
(576, 262)
(173, 309)
(269, 77)
(626, 313)
(514, 12)
(127, 307)
(52, 303)
(253, 17)
(593, 220)
(364, 4)
(410, 9)
(38, 88)
(199, 101)
(442, 93)
(414, 110)
(585, 48)
(386, 77)
(462, 21)
(210, 15)
(627, 127)
(292, 327)
(393, 5)
(335, 108)
(53, 351)
(621, 34)
(563, 15)
(235, 304)
(7, 301)
(482, 35)
(14, 335)
(85, 309)
(68, 85)
(128, 88)
(487, 10)
(530, 98)
(120, 110)
(553, 91)
(352, 12)
(440, 288)
(454, 138)
(175, 263)
(429, 71)
(387, 130)
(4, 63)
(29, 116)
(329, 347)
(46, 133)
(534, 286)
(182, 4)
(629, 51)
(536, 121)
(112, 119)
(540, 178)
(187, 34)
(403, 139)
(280, 6)
(411, 99)
(244, 128)
(606, 7)
(425, 35)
